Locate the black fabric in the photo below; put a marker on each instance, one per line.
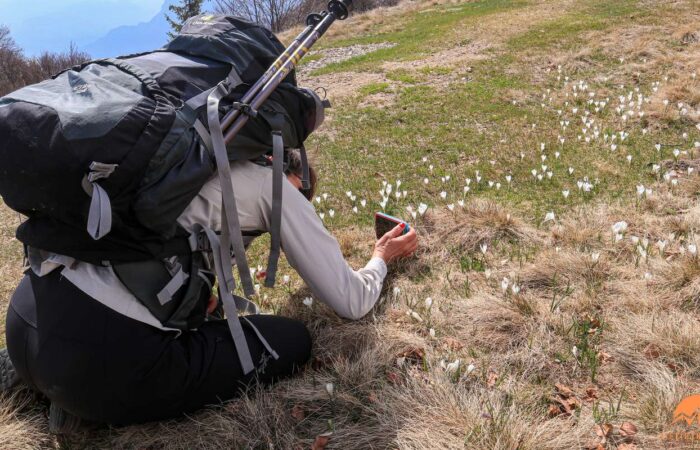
(105, 367)
(47, 144)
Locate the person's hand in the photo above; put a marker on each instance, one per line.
(394, 244)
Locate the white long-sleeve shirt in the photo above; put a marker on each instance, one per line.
(308, 246)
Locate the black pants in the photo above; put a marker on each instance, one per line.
(102, 366)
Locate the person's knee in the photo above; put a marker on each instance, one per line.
(289, 338)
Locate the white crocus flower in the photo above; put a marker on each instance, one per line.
(422, 208)
(484, 248)
(428, 303)
(549, 216)
(661, 245)
(308, 301)
(595, 257)
(443, 195)
(330, 388)
(331, 212)
(504, 284)
(453, 366)
(565, 193)
(619, 227)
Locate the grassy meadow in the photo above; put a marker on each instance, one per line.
(547, 151)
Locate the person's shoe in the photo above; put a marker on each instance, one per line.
(8, 375)
(61, 421)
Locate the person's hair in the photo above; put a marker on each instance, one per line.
(294, 166)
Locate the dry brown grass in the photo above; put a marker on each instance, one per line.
(517, 350)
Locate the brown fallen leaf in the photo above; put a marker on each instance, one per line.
(604, 357)
(491, 379)
(372, 397)
(652, 351)
(452, 344)
(321, 441)
(564, 390)
(414, 354)
(554, 411)
(591, 394)
(627, 446)
(298, 412)
(393, 377)
(628, 429)
(603, 430)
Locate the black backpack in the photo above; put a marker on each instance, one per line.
(104, 157)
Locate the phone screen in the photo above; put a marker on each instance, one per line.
(383, 223)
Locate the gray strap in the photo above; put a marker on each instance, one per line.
(230, 307)
(100, 170)
(305, 172)
(203, 134)
(200, 99)
(276, 220)
(245, 306)
(176, 282)
(262, 340)
(100, 216)
(231, 229)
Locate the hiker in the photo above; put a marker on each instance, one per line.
(76, 334)
(143, 179)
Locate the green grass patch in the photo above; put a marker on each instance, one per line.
(375, 88)
(422, 34)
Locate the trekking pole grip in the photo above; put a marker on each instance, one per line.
(340, 8)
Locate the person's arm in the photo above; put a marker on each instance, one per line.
(316, 256)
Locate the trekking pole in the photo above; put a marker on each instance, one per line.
(311, 21)
(337, 10)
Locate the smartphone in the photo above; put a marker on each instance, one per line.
(384, 223)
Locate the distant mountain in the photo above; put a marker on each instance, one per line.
(129, 39)
(133, 38)
(52, 25)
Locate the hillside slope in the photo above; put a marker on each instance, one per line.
(547, 152)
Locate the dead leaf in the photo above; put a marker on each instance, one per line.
(627, 446)
(298, 412)
(591, 394)
(415, 354)
(553, 411)
(372, 397)
(452, 344)
(492, 379)
(652, 351)
(628, 429)
(604, 357)
(564, 390)
(603, 430)
(321, 441)
(393, 377)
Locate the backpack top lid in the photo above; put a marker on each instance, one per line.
(249, 47)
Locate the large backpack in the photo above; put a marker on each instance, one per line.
(104, 157)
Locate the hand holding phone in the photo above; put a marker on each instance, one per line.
(399, 239)
(383, 223)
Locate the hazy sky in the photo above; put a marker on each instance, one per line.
(39, 25)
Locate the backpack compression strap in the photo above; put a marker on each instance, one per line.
(231, 228)
(233, 304)
(277, 180)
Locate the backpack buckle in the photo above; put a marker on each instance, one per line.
(245, 108)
